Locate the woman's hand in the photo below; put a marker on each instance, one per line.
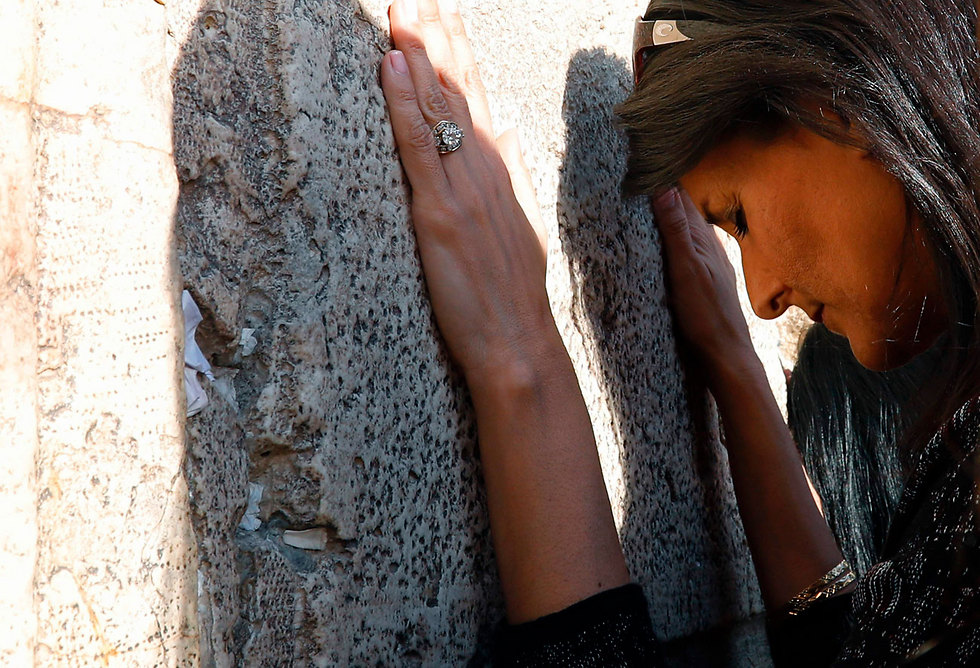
(701, 286)
(483, 253)
(790, 541)
(484, 259)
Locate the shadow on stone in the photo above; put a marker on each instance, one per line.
(680, 528)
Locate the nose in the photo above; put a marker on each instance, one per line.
(769, 296)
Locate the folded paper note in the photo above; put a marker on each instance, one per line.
(194, 360)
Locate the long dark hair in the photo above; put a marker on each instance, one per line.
(846, 421)
(902, 73)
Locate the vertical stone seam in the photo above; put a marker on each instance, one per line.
(31, 223)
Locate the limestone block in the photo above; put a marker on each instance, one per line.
(98, 558)
(18, 409)
(17, 36)
(293, 223)
(115, 572)
(105, 61)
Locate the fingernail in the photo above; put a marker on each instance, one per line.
(398, 63)
(667, 198)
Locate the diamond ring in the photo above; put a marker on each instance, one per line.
(449, 137)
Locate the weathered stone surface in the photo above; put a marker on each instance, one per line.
(18, 410)
(293, 222)
(18, 343)
(102, 539)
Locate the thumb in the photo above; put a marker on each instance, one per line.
(509, 146)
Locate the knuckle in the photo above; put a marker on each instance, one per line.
(672, 221)
(406, 97)
(420, 137)
(441, 222)
(433, 101)
(454, 27)
(407, 39)
(471, 78)
(414, 48)
(455, 98)
(473, 208)
(448, 79)
(429, 17)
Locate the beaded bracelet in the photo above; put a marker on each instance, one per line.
(836, 579)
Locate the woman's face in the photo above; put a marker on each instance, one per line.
(824, 227)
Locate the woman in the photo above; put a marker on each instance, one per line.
(835, 140)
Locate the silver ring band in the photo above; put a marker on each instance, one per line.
(448, 135)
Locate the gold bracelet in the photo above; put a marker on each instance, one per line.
(836, 579)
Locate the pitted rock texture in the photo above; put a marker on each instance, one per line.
(293, 222)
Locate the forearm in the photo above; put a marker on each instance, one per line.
(553, 530)
(483, 247)
(790, 541)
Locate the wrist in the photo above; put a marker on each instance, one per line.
(520, 366)
(734, 370)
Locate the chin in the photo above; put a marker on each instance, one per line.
(877, 359)
(885, 356)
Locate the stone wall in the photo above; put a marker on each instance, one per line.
(293, 224)
(99, 564)
(332, 391)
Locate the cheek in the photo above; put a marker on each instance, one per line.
(785, 237)
(862, 248)
(790, 254)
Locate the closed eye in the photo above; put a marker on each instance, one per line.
(733, 214)
(741, 226)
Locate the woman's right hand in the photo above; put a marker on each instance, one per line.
(701, 286)
(790, 541)
(483, 253)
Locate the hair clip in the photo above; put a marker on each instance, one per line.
(660, 32)
(649, 34)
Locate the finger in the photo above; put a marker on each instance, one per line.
(509, 146)
(416, 145)
(709, 239)
(469, 72)
(439, 98)
(701, 231)
(437, 47)
(671, 219)
(706, 232)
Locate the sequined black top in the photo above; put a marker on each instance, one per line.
(919, 606)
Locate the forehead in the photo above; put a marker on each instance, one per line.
(741, 160)
(719, 172)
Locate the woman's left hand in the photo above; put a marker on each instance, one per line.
(479, 233)
(483, 252)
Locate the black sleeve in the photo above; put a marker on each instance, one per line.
(611, 628)
(812, 639)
